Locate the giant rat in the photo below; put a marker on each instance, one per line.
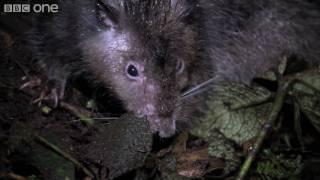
(151, 52)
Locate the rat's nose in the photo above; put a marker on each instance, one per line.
(167, 133)
(167, 127)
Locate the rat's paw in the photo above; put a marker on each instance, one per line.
(51, 90)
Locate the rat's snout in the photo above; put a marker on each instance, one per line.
(164, 125)
(157, 105)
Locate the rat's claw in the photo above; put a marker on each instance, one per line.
(55, 97)
(38, 100)
(48, 94)
(34, 82)
(51, 91)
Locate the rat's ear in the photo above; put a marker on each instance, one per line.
(108, 13)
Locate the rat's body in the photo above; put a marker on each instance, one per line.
(248, 38)
(149, 52)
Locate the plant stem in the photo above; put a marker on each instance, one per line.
(276, 109)
(83, 114)
(57, 150)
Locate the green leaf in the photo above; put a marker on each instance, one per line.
(272, 166)
(237, 110)
(272, 75)
(306, 91)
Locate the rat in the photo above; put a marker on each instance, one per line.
(155, 55)
(147, 52)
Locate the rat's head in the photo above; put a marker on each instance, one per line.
(144, 53)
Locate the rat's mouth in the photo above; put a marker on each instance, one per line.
(165, 126)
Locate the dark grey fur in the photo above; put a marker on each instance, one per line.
(249, 37)
(231, 40)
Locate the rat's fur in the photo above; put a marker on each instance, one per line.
(247, 37)
(153, 35)
(220, 39)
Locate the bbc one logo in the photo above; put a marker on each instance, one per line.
(26, 8)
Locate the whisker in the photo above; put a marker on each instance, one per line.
(102, 118)
(106, 118)
(197, 89)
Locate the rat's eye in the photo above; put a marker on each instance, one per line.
(180, 66)
(132, 71)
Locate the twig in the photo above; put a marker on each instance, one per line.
(22, 68)
(63, 154)
(254, 103)
(7, 86)
(82, 114)
(278, 104)
(11, 175)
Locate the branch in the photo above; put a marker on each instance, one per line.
(276, 109)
